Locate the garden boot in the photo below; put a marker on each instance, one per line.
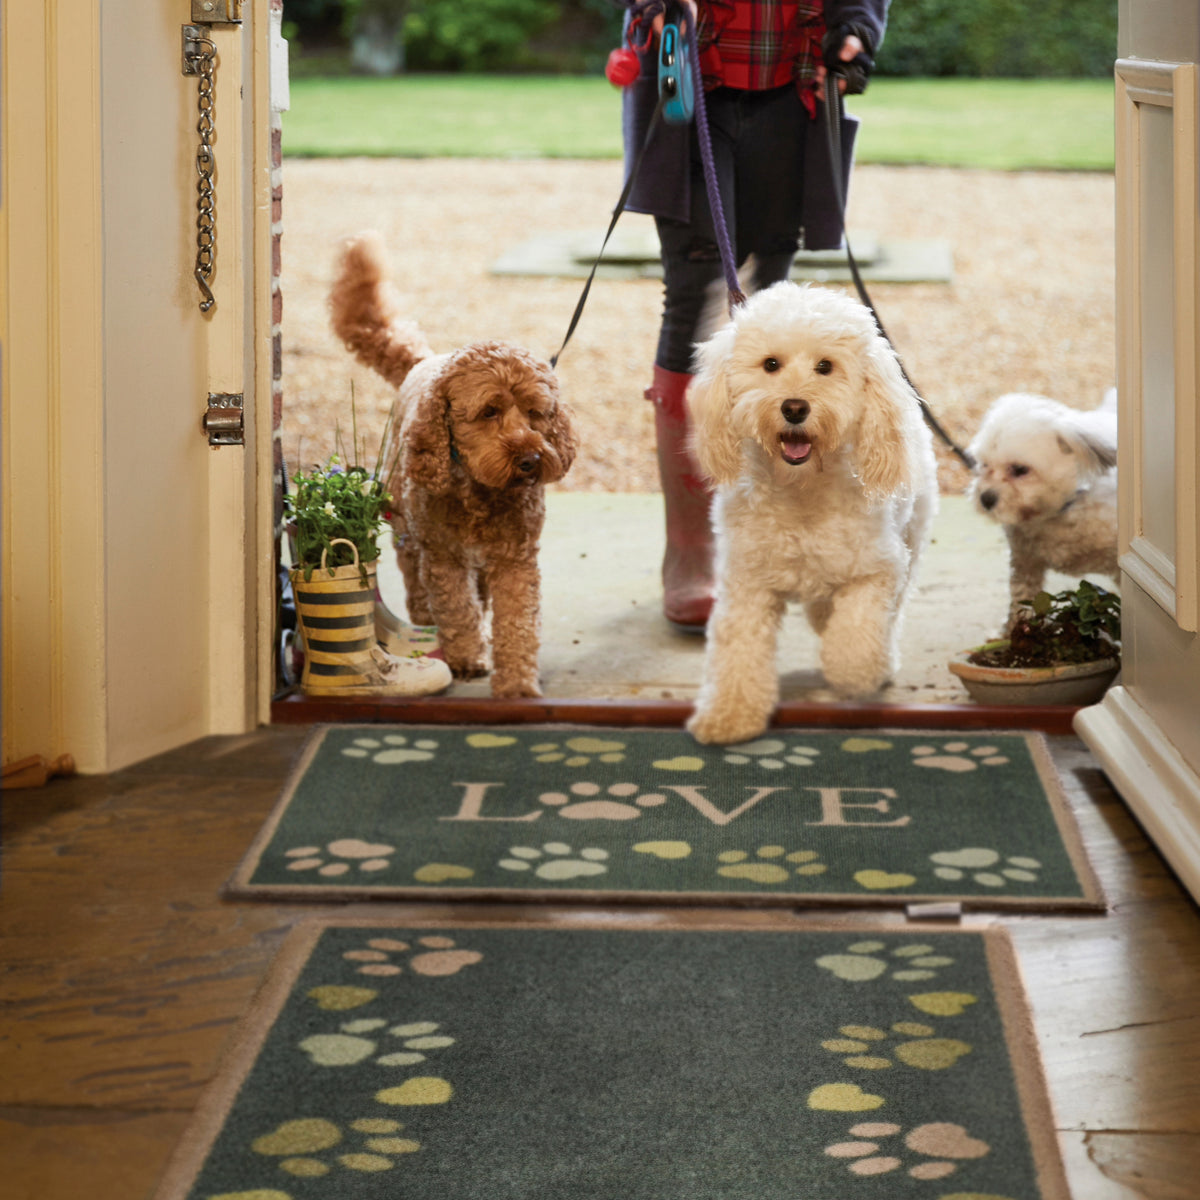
(687, 570)
(336, 612)
(400, 638)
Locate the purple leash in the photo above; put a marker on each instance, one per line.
(736, 295)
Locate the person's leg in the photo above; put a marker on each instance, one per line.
(768, 180)
(692, 272)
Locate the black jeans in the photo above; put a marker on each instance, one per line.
(758, 156)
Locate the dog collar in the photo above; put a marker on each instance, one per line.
(1079, 492)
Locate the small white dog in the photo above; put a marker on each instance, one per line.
(826, 487)
(1048, 474)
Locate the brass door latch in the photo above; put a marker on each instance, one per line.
(224, 419)
(217, 12)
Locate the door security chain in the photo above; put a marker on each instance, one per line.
(199, 58)
(223, 419)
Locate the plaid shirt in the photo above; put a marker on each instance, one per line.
(754, 45)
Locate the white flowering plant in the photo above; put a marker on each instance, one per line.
(336, 500)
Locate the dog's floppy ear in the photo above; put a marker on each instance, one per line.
(713, 440)
(887, 439)
(1094, 442)
(561, 436)
(561, 431)
(426, 449)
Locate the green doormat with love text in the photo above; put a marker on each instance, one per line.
(383, 1060)
(649, 815)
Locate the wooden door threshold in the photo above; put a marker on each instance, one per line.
(298, 709)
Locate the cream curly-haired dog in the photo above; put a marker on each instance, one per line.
(1047, 473)
(475, 434)
(826, 487)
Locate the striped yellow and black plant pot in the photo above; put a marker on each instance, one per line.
(336, 613)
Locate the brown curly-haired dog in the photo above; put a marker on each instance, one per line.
(474, 435)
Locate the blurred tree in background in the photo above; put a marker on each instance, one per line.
(988, 38)
(384, 37)
(1015, 39)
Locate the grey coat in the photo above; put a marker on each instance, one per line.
(663, 185)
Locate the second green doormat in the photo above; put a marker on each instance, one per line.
(606, 1064)
(648, 815)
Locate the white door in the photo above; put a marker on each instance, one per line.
(1146, 732)
(136, 559)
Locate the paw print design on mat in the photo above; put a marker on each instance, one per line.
(957, 757)
(350, 1046)
(974, 860)
(664, 849)
(864, 961)
(865, 745)
(552, 861)
(392, 748)
(340, 857)
(767, 865)
(941, 1144)
(490, 741)
(339, 997)
(439, 872)
(374, 1146)
(583, 802)
(875, 880)
(772, 754)
(434, 956)
(579, 751)
(866, 1048)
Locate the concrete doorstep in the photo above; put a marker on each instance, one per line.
(604, 636)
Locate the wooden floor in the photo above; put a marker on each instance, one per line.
(123, 973)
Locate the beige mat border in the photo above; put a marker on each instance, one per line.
(246, 1042)
(240, 887)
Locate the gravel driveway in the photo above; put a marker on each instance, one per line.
(1031, 306)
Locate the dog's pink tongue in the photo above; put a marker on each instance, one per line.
(795, 448)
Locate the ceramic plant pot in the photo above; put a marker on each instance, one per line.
(1069, 683)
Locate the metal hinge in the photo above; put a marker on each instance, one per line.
(223, 422)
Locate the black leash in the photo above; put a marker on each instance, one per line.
(617, 211)
(833, 131)
(689, 63)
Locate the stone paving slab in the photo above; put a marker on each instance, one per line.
(632, 253)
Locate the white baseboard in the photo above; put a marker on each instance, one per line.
(1152, 777)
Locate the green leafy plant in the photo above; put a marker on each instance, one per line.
(338, 499)
(1072, 626)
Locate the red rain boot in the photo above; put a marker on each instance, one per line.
(688, 563)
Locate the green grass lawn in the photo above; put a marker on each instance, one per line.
(1004, 124)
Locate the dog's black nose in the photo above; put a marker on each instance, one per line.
(528, 463)
(988, 499)
(795, 412)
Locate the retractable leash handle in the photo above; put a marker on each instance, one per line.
(675, 75)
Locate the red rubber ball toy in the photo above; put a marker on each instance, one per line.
(622, 67)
